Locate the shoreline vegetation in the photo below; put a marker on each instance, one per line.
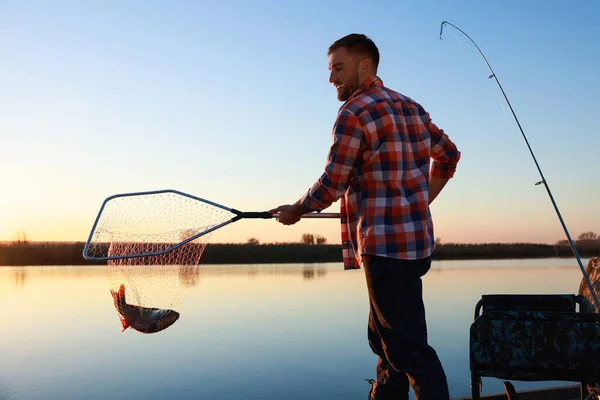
(25, 253)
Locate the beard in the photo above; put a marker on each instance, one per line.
(348, 88)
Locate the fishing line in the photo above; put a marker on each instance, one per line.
(555, 243)
(543, 181)
(550, 230)
(501, 105)
(456, 37)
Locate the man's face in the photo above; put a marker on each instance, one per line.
(344, 73)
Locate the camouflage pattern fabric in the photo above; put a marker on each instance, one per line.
(535, 346)
(538, 337)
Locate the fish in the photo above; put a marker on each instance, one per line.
(142, 319)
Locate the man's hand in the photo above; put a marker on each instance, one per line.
(289, 214)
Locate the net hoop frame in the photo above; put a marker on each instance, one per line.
(158, 253)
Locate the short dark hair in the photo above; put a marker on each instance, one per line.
(357, 43)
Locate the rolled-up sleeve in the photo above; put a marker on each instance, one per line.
(444, 153)
(348, 144)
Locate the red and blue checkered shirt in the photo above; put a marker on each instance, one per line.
(379, 166)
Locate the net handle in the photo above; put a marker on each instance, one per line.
(267, 215)
(318, 215)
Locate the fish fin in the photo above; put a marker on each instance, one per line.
(122, 293)
(124, 323)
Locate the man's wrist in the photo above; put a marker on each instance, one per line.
(300, 209)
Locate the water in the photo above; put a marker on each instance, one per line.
(249, 331)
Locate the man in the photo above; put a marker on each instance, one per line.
(379, 166)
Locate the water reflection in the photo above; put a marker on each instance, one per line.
(189, 276)
(20, 276)
(310, 273)
(306, 271)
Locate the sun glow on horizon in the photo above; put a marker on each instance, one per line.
(77, 229)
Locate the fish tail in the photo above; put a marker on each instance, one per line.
(119, 297)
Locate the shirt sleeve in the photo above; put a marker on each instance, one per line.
(348, 145)
(444, 154)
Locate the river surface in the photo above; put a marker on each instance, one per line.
(286, 331)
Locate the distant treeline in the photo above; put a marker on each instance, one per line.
(58, 253)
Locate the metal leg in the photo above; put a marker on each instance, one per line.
(475, 386)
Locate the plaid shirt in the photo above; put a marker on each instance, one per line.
(379, 166)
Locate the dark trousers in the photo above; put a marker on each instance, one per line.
(398, 331)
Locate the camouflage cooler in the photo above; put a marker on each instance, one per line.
(534, 338)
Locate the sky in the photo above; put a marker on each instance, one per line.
(230, 101)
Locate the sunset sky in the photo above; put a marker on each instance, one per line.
(230, 101)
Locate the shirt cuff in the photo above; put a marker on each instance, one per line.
(310, 203)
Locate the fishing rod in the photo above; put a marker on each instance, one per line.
(543, 181)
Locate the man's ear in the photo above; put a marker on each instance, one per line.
(365, 66)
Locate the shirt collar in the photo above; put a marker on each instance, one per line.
(367, 84)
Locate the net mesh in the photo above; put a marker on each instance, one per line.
(148, 223)
(156, 281)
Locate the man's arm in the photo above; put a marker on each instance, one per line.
(445, 157)
(435, 186)
(348, 144)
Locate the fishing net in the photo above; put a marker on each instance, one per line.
(151, 244)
